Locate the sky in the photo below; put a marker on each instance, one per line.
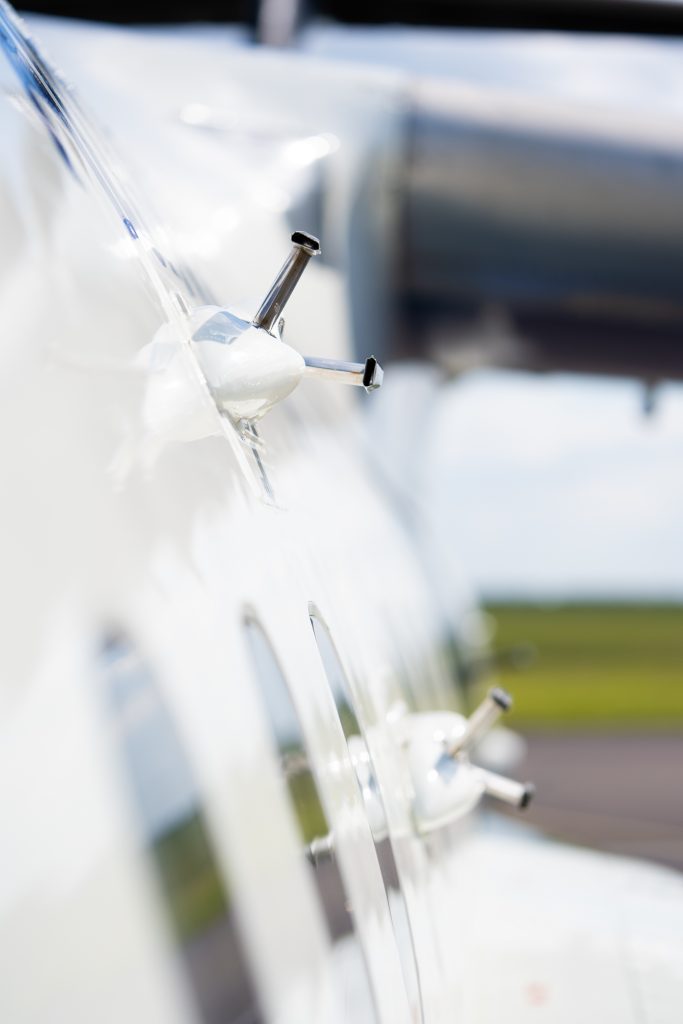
(559, 487)
(548, 487)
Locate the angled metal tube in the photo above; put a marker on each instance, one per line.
(304, 246)
(366, 375)
(496, 703)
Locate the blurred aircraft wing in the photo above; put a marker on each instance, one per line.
(541, 233)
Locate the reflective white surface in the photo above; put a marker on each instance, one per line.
(116, 520)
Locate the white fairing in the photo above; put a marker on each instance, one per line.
(141, 530)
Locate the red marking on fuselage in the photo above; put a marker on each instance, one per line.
(536, 994)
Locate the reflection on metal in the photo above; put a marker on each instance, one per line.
(446, 784)
(374, 804)
(368, 375)
(517, 794)
(303, 247)
(369, 787)
(248, 370)
(483, 718)
(196, 897)
(302, 790)
(247, 367)
(320, 849)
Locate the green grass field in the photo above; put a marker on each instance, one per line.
(595, 666)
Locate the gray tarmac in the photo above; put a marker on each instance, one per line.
(621, 792)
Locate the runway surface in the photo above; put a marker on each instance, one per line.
(621, 792)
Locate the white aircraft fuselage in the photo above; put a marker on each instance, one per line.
(221, 637)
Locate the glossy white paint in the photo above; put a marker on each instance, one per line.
(132, 505)
(249, 373)
(246, 369)
(445, 788)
